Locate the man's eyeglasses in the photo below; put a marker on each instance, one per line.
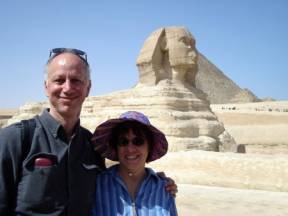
(56, 51)
(137, 141)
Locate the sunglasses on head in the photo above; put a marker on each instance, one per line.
(56, 51)
(136, 141)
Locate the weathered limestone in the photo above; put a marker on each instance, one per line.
(234, 170)
(168, 53)
(187, 122)
(27, 111)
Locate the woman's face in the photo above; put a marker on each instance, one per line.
(132, 152)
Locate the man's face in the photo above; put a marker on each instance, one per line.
(181, 47)
(67, 85)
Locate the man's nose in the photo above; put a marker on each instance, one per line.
(67, 85)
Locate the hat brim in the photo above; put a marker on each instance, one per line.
(102, 136)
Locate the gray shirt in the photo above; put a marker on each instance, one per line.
(64, 185)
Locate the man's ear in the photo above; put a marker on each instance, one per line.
(88, 88)
(45, 87)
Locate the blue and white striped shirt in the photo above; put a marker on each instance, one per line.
(112, 197)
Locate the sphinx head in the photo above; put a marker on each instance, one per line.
(168, 53)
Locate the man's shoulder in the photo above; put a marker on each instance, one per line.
(12, 128)
(86, 131)
(10, 137)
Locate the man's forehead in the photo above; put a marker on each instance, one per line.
(67, 61)
(67, 58)
(62, 62)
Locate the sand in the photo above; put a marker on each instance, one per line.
(262, 127)
(200, 200)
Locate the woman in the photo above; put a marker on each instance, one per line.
(128, 188)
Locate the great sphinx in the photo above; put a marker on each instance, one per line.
(166, 92)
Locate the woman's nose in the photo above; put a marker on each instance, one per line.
(130, 146)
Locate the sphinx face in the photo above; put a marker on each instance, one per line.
(181, 47)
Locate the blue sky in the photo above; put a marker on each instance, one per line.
(246, 39)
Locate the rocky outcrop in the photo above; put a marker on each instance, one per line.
(27, 111)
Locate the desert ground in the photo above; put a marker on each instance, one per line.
(252, 184)
(200, 200)
(262, 127)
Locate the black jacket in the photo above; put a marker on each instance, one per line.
(64, 185)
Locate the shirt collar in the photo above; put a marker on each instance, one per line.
(55, 127)
(150, 172)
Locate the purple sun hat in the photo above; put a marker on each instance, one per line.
(103, 132)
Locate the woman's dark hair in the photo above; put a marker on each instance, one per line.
(137, 128)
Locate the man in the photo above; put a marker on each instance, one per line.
(57, 176)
